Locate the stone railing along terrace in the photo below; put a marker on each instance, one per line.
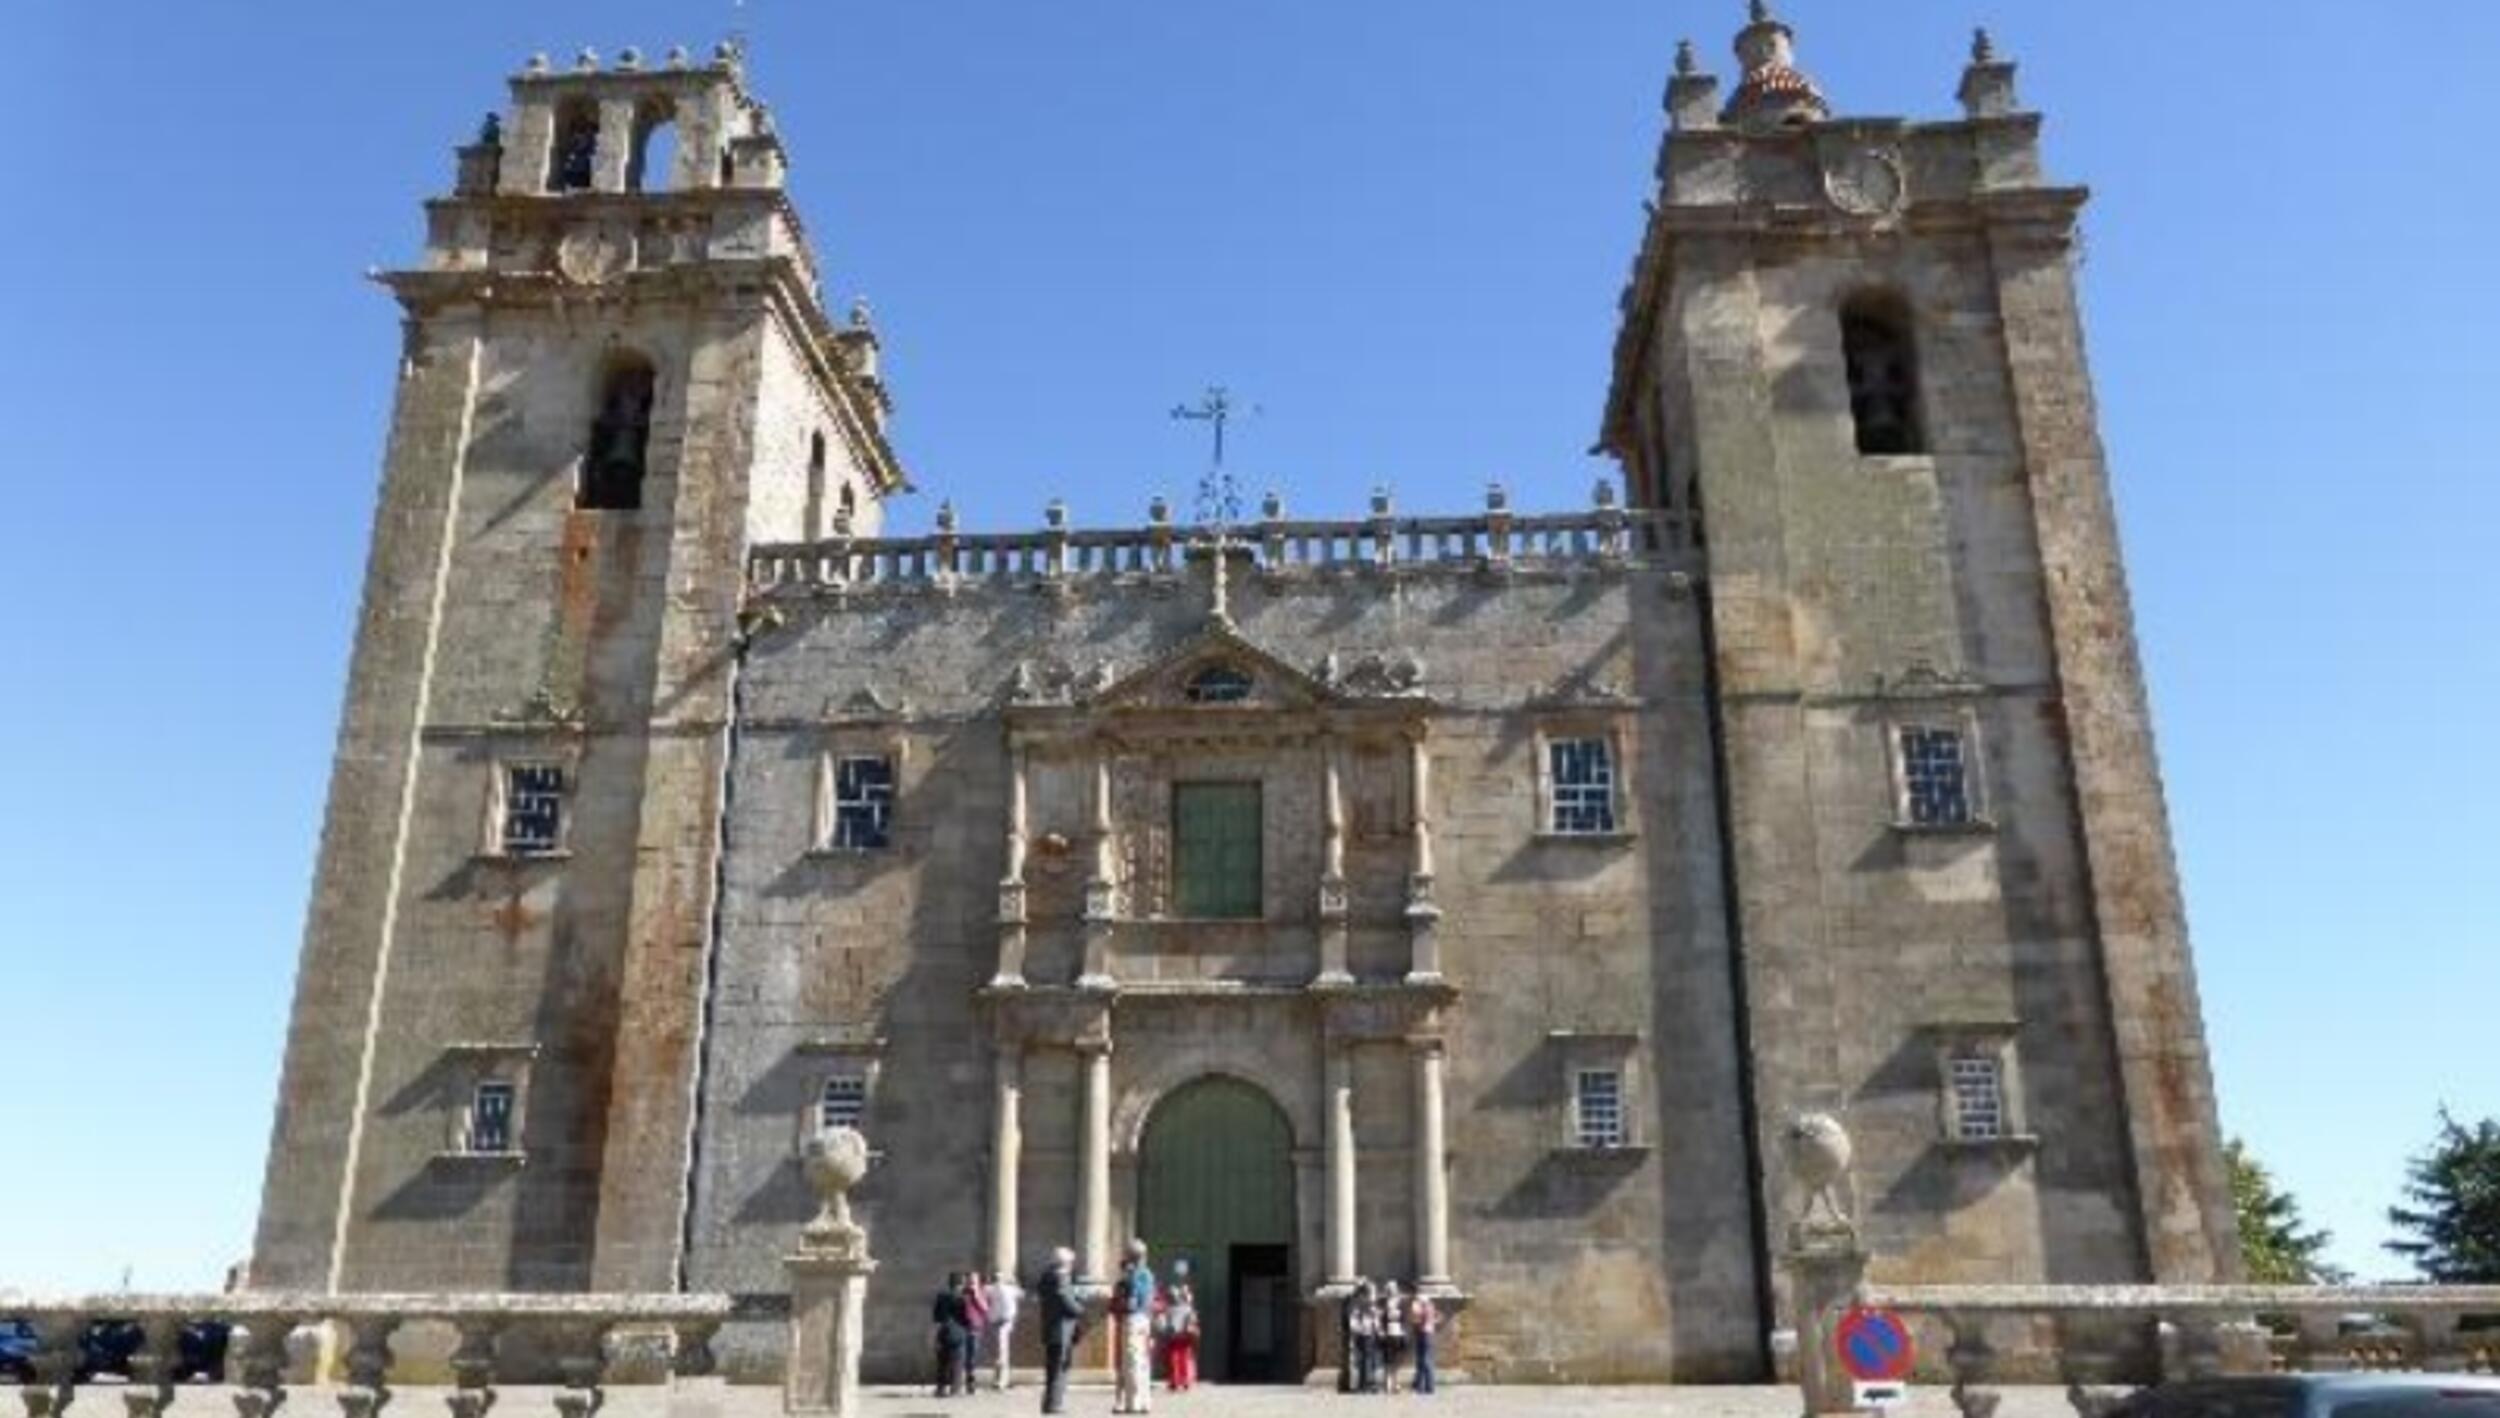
(571, 1337)
(1495, 541)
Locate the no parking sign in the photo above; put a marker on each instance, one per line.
(1874, 1346)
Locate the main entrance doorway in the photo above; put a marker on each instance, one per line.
(1215, 1189)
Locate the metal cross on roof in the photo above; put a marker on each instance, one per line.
(1219, 496)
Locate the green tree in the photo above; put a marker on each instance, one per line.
(2454, 1212)
(2276, 1245)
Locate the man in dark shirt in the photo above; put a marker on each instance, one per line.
(1063, 1315)
(950, 1324)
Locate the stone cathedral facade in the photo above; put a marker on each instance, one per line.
(1470, 898)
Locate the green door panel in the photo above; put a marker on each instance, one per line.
(1216, 1173)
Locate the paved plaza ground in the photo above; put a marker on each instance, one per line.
(712, 1400)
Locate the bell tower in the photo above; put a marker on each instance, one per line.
(618, 374)
(1851, 348)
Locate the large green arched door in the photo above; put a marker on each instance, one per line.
(1215, 1188)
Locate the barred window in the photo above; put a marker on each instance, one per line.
(863, 803)
(1935, 776)
(490, 1119)
(843, 1102)
(533, 810)
(1583, 794)
(1597, 1108)
(1218, 684)
(1978, 1096)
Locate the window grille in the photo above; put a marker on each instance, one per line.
(1978, 1097)
(490, 1119)
(1935, 777)
(1218, 684)
(1216, 856)
(1597, 1108)
(843, 1103)
(533, 809)
(1583, 774)
(863, 804)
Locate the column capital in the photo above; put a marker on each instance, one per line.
(1428, 1045)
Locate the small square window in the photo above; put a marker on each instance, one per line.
(490, 1119)
(1935, 777)
(1582, 791)
(863, 803)
(1978, 1082)
(533, 810)
(842, 1103)
(1597, 1108)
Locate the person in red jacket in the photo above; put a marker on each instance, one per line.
(1176, 1319)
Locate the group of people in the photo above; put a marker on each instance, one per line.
(972, 1313)
(1380, 1326)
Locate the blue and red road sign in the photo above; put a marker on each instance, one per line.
(1874, 1346)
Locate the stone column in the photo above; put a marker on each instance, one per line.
(828, 1277)
(1100, 887)
(1423, 916)
(1093, 1205)
(1011, 916)
(1432, 1167)
(1006, 1155)
(1332, 887)
(1340, 1164)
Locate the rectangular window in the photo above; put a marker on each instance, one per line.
(1935, 777)
(1978, 1097)
(1597, 1108)
(843, 1103)
(1583, 774)
(533, 809)
(490, 1119)
(863, 803)
(1216, 847)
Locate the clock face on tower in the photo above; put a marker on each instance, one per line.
(1866, 183)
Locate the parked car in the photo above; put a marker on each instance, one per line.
(2369, 1395)
(109, 1346)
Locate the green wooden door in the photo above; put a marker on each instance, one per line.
(1216, 1181)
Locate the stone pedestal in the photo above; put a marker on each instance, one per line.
(1826, 1271)
(828, 1277)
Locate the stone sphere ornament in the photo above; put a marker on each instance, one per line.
(834, 1160)
(1819, 1154)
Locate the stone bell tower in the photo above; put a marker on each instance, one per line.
(1851, 348)
(618, 375)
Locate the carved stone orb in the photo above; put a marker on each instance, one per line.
(834, 1159)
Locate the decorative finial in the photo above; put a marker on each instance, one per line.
(1496, 497)
(629, 60)
(1055, 516)
(490, 132)
(946, 515)
(1380, 501)
(725, 54)
(587, 61)
(1605, 494)
(1272, 506)
(1686, 65)
(860, 313)
(678, 58)
(537, 64)
(1760, 11)
(1983, 48)
(1159, 509)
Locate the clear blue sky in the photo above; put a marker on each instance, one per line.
(1397, 225)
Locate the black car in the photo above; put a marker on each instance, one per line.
(109, 1346)
(2322, 1396)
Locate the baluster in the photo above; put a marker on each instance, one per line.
(1970, 1357)
(2088, 1345)
(690, 1356)
(260, 1374)
(473, 1367)
(2321, 1349)
(581, 1365)
(57, 1352)
(153, 1368)
(368, 1364)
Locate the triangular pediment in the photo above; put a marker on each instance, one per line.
(1214, 671)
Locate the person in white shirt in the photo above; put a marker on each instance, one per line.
(1005, 1297)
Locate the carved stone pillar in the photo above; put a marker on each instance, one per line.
(1431, 1165)
(1093, 1215)
(1332, 885)
(473, 1370)
(1100, 888)
(1006, 1154)
(1011, 908)
(1423, 915)
(368, 1362)
(828, 1277)
(1340, 1164)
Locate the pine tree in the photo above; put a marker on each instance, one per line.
(2276, 1246)
(2454, 1218)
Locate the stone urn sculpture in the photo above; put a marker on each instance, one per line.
(1819, 1154)
(834, 1160)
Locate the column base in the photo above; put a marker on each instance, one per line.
(1099, 984)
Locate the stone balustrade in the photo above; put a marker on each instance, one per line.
(572, 1337)
(1495, 542)
(2103, 1337)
